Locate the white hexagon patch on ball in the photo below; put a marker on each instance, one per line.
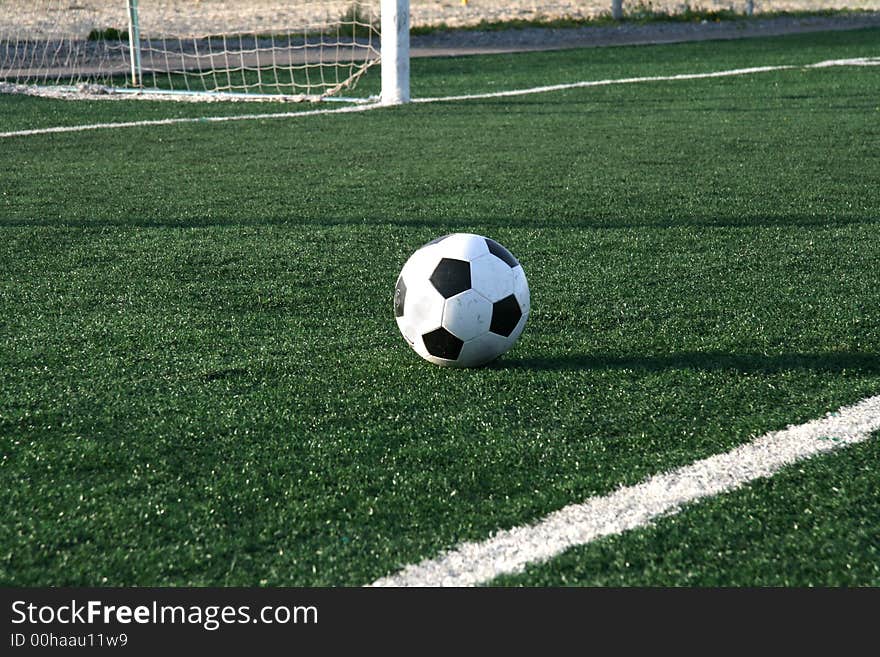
(461, 300)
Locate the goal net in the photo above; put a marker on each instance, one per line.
(313, 49)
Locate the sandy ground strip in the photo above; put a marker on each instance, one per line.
(47, 18)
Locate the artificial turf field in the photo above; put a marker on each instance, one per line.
(201, 379)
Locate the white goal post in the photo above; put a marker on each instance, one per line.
(205, 49)
(395, 51)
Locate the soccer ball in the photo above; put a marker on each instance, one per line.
(461, 300)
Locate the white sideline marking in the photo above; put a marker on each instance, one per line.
(201, 119)
(858, 61)
(511, 550)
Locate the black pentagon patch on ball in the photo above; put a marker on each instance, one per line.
(437, 239)
(505, 316)
(451, 277)
(442, 344)
(500, 252)
(399, 297)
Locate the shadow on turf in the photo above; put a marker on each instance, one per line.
(837, 362)
(453, 224)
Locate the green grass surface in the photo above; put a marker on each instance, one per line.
(202, 381)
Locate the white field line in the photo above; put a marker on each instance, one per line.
(201, 119)
(511, 550)
(858, 61)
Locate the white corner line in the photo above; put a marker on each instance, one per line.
(510, 551)
(857, 61)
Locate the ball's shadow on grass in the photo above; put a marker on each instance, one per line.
(836, 362)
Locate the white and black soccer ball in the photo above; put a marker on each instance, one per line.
(461, 300)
